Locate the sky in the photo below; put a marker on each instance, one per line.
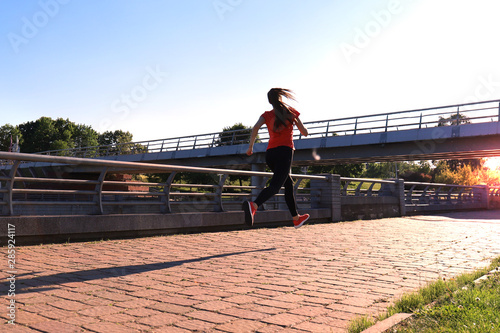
(168, 68)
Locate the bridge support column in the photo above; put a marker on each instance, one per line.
(326, 194)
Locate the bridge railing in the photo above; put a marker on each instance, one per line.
(479, 112)
(50, 188)
(421, 196)
(25, 192)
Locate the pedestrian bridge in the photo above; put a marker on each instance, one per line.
(447, 132)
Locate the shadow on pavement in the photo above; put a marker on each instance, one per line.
(29, 285)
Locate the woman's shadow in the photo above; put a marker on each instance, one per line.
(43, 283)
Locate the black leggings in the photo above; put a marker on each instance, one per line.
(279, 160)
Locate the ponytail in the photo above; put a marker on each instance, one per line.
(284, 116)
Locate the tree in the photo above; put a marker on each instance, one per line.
(116, 137)
(8, 133)
(120, 142)
(235, 135)
(39, 135)
(464, 175)
(47, 134)
(380, 170)
(453, 120)
(415, 172)
(344, 170)
(85, 136)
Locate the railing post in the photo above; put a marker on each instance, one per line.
(483, 192)
(355, 126)
(400, 191)
(218, 207)
(10, 186)
(98, 189)
(326, 194)
(437, 193)
(166, 193)
(420, 122)
(386, 122)
(487, 191)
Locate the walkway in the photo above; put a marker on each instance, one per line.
(313, 279)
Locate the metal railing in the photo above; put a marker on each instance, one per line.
(22, 194)
(425, 194)
(479, 112)
(52, 189)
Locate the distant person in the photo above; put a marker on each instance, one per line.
(279, 154)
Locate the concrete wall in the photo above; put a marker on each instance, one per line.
(49, 229)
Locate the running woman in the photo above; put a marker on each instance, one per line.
(279, 154)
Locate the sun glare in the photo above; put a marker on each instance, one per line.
(492, 163)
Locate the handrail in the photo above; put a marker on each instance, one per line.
(323, 128)
(150, 167)
(100, 196)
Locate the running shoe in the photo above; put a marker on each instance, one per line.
(302, 219)
(249, 212)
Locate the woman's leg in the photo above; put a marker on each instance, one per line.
(290, 197)
(279, 161)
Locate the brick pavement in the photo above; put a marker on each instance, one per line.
(313, 279)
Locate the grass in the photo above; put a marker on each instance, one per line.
(458, 305)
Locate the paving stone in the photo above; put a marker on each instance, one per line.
(103, 327)
(240, 326)
(252, 279)
(285, 319)
(160, 319)
(57, 326)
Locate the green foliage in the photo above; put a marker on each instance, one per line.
(448, 305)
(46, 133)
(234, 135)
(8, 132)
(453, 120)
(116, 137)
(360, 324)
(344, 170)
(471, 308)
(463, 176)
(85, 136)
(381, 170)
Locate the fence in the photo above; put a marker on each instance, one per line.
(480, 112)
(59, 191)
(52, 189)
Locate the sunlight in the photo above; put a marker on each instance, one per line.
(492, 163)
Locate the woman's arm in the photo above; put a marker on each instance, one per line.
(303, 130)
(255, 131)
